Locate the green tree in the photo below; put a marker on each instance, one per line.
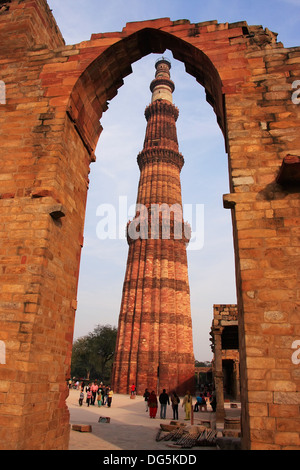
(103, 344)
(82, 361)
(92, 355)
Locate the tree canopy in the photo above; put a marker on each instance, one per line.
(92, 355)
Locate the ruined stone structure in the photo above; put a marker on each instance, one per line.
(55, 95)
(225, 346)
(155, 341)
(203, 376)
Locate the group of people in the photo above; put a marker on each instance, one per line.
(164, 399)
(96, 393)
(102, 395)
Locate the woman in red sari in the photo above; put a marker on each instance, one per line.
(152, 404)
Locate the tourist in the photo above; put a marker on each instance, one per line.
(203, 400)
(88, 397)
(109, 397)
(94, 389)
(146, 396)
(133, 389)
(152, 404)
(187, 404)
(198, 402)
(101, 393)
(81, 398)
(163, 400)
(106, 389)
(175, 402)
(99, 397)
(213, 402)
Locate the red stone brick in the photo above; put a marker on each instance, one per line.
(82, 427)
(255, 79)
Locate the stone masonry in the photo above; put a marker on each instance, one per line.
(55, 95)
(224, 344)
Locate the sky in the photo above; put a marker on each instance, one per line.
(204, 177)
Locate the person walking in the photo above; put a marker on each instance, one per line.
(152, 403)
(213, 402)
(99, 397)
(94, 389)
(146, 396)
(81, 397)
(109, 397)
(163, 400)
(175, 400)
(105, 394)
(187, 404)
(101, 393)
(133, 391)
(88, 397)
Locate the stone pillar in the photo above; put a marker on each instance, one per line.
(218, 376)
(236, 371)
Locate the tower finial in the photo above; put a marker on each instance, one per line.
(162, 86)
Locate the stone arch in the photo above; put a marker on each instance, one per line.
(47, 145)
(100, 81)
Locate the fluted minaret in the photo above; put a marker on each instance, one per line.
(154, 345)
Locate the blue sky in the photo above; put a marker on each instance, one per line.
(204, 177)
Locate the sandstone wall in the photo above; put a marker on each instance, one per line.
(49, 128)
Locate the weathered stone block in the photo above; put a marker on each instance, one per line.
(82, 427)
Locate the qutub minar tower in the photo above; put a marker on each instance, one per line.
(154, 345)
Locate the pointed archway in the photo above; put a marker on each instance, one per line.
(43, 199)
(100, 81)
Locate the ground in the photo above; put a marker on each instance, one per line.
(130, 427)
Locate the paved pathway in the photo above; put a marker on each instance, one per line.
(130, 427)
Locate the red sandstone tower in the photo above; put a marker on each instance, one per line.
(154, 345)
